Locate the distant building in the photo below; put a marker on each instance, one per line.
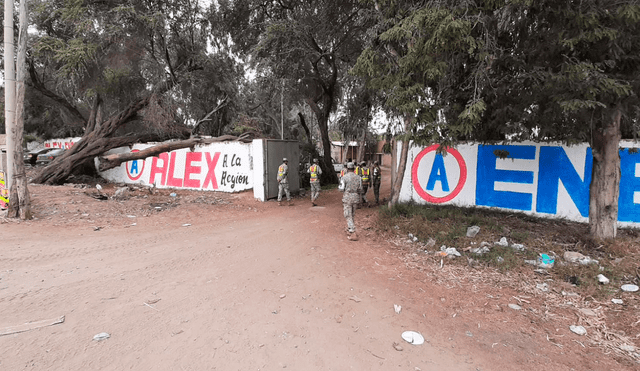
(338, 153)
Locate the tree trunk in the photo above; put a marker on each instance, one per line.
(306, 129)
(323, 118)
(19, 201)
(363, 143)
(605, 180)
(399, 174)
(111, 161)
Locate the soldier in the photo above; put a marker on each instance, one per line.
(283, 182)
(364, 173)
(343, 172)
(376, 177)
(314, 180)
(351, 185)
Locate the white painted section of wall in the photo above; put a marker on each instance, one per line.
(434, 180)
(258, 170)
(224, 167)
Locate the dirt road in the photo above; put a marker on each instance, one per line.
(204, 281)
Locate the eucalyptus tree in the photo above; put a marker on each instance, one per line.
(127, 71)
(541, 70)
(310, 44)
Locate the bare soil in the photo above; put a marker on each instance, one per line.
(211, 281)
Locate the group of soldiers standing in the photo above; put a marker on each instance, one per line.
(355, 181)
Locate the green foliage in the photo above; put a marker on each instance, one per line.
(536, 70)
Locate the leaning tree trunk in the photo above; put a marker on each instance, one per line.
(605, 180)
(399, 174)
(91, 145)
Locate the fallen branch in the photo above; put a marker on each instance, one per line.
(111, 161)
(31, 326)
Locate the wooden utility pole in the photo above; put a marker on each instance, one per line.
(19, 202)
(9, 88)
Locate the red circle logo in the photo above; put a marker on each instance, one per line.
(420, 167)
(135, 167)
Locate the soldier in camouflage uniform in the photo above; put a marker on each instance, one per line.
(351, 185)
(283, 181)
(314, 180)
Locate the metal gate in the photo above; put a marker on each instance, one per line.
(274, 152)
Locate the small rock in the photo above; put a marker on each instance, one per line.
(410, 235)
(500, 259)
(173, 195)
(629, 288)
(616, 301)
(480, 250)
(542, 287)
(469, 334)
(576, 257)
(415, 239)
(628, 348)
(186, 225)
(101, 336)
(518, 247)
(578, 330)
(515, 307)
(397, 347)
(121, 193)
(503, 242)
(283, 296)
(431, 242)
(397, 308)
(602, 279)
(473, 231)
(588, 312)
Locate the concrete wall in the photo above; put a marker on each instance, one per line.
(224, 167)
(541, 179)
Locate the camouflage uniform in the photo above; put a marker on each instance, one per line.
(351, 198)
(283, 181)
(376, 177)
(314, 181)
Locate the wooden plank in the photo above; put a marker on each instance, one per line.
(31, 326)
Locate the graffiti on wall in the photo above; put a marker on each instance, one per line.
(540, 179)
(65, 143)
(218, 167)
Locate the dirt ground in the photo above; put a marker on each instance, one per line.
(211, 281)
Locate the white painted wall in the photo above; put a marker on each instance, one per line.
(258, 170)
(224, 167)
(541, 179)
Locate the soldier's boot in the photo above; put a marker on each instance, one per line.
(313, 203)
(279, 203)
(353, 236)
(290, 202)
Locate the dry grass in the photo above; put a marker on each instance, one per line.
(571, 287)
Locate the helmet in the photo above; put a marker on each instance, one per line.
(285, 160)
(350, 165)
(315, 160)
(363, 163)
